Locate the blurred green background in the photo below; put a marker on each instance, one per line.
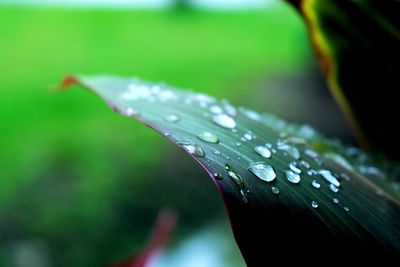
(80, 185)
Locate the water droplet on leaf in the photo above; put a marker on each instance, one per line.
(236, 178)
(333, 188)
(192, 149)
(329, 177)
(218, 176)
(314, 204)
(262, 171)
(315, 184)
(172, 118)
(294, 168)
(263, 151)
(208, 137)
(275, 190)
(293, 177)
(224, 120)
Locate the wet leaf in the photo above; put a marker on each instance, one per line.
(357, 43)
(299, 194)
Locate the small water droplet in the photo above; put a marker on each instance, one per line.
(251, 114)
(305, 164)
(335, 201)
(292, 177)
(296, 140)
(373, 171)
(262, 171)
(312, 172)
(291, 150)
(339, 160)
(314, 204)
(218, 176)
(229, 109)
(311, 153)
(172, 118)
(333, 188)
(192, 149)
(224, 120)
(238, 144)
(315, 184)
(346, 209)
(330, 177)
(243, 139)
(217, 152)
(269, 145)
(131, 112)
(275, 190)
(263, 151)
(216, 109)
(294, 168)
(236, 178)
(248, 136)
(208, 137)
(244, 197)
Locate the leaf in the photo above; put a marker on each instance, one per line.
(329, 209)
(357, 43)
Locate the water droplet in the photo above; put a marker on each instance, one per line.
(333, 188)
(262, 171)
(218, 176)
(229, 109)
(292, 177)
(294, 168)
(192, 149)
(296, 140)
(345, 176)
(315, 184)
(244, 197)
(224, 120)
(291, 150)
(172, 118)
(236, 178)
(251, 114)
(305, 164)
(312, 172)
(275, 190)
(335, 201)
(314, 204)
(217, 152)
(216, 109)
(311, 153)
(248, 136)
(208, 137)
(263, 151)
(328, 176)
(269, 145)
(370, 170)
(243, 139)
(346, 209)
(131, 112)
(238, 144)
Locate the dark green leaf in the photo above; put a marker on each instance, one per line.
(342, 213)
(358, 44)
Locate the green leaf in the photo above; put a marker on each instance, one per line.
(280, 193)
(358, 43)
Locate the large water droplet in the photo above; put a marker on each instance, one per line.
(263, 151)
(224, 120)
(315, 184)
(293, 167)
(172, 118)
(218, 176)
(262, 171)
(208, 137)
(293, 177)
(192, 149)
(333, 188)
(314, 204)
(328, 176)
(275, 190)
(236, 178)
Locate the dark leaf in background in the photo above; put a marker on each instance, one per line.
(357, 43)
(282, 195)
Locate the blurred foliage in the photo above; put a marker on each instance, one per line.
(75, 179)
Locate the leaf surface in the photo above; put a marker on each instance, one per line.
(282, 195)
